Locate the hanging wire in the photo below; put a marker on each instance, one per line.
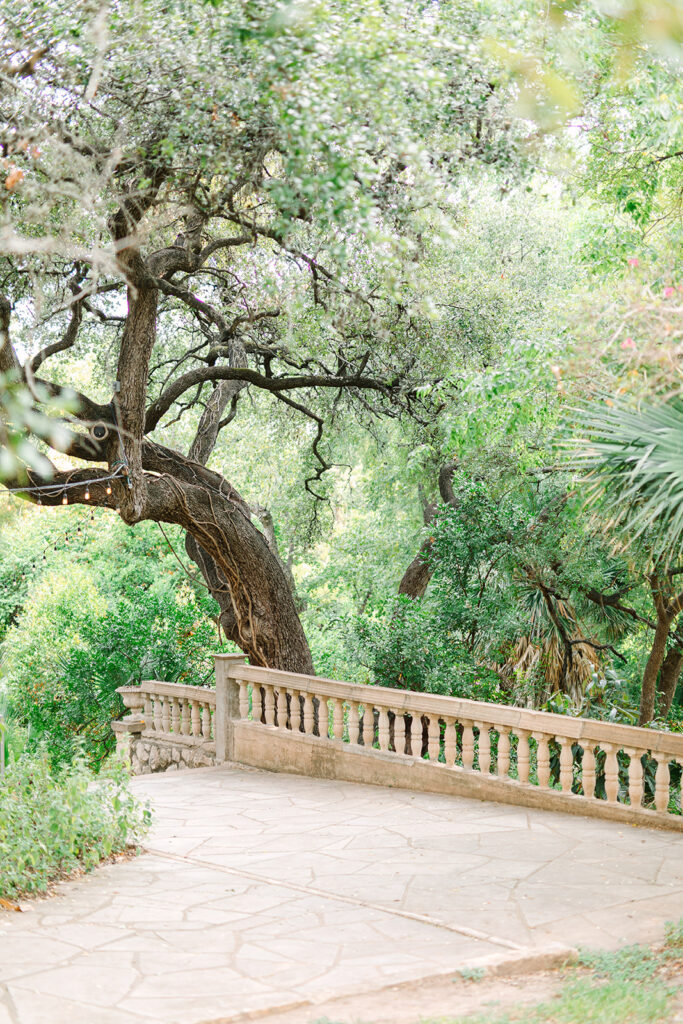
(58, 488)
(192, 578)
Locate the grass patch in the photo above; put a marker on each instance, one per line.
(53, 823)
(634, 985)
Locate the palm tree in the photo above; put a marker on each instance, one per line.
(635, 460)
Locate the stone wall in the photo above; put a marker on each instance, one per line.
(153, 754)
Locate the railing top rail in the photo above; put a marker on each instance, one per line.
(156, 687)
(589, 729)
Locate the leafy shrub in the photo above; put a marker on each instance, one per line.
(53, 822)
(406, 649)
(71, 649)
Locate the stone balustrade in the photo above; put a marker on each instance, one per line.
(283, 721)
(395, 737)
(169, 726)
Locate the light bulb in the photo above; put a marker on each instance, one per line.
(87, 495)
(108, 489)
(65, 500)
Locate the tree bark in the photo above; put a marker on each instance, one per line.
(668, 606)
(415, 579)
(669, 677)
(652, 669)
(242, 569)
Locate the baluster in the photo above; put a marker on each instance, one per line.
(309, 714)
(635, 777)
(296, 715)
(611, 772)
(409, 721)
(338, 719)
(662, 783)
(185, 718)
(523, 756)
(354, 723)
(566, 764)
(277, 708)
(196, 725)
(175, 715)
(206, 721)
(244, 699)
(449, 742)
(503, 759)
(165, 715)
(157, 714)
(148, 712)
(484, 747)
(588, 772)
(324, 718)
(383, 728)
(433, 738)
(269, 705)
(363, 717)
(258, 698)
(467, 745)
(399, 732)
(286, 705)
(542, 759)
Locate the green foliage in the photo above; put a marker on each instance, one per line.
(636, 455)
(105, 610)
(53, 823)
(385, 139)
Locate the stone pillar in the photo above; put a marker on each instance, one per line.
(227, 704)
(126, 730)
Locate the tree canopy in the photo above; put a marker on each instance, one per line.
(352, 297)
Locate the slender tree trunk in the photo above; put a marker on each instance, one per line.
(418, 574)
(652, 670)
(415, 579)
(669, 677)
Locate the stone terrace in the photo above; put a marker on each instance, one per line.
(263, 890)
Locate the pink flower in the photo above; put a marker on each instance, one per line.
(668, 292)
(633, 262)
(628, 343)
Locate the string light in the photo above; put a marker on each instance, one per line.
(86, 495)
(56, 489)
(65, 500)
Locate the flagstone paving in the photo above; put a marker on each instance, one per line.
(263, 890)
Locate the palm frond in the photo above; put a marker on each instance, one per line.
(635, 457)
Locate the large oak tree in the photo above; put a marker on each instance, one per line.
(215, 197)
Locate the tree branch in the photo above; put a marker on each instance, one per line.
(275, 385)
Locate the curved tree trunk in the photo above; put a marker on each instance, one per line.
(155, 483)
(247, 580)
